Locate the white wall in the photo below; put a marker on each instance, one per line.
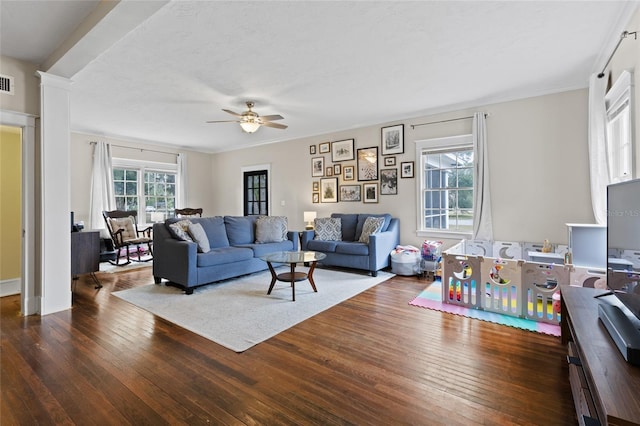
(537, 155)
(199, 173)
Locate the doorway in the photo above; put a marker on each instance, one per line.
(10, 210)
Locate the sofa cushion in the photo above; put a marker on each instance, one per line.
(349, 222)
(323, 246)
(328, 229)
(371, 226)
(126, 224)
(355, 248)
(179, 230)
(266, 248)
(364, 216)
(224, 255)
(271, 229)
(240, 229)
(215, 229)
(196, 232)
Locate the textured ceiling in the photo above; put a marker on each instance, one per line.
(326, 66)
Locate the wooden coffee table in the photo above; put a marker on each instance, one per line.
(293, 258)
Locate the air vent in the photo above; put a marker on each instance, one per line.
(6, 84)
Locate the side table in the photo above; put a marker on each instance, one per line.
(85, 254)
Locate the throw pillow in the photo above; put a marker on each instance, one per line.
(271, 229)
(126, 224)
(328, 229)
(371, 226)
(196, 232)
(180, 230)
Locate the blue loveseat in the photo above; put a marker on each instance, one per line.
(349, 252)
(233, 251)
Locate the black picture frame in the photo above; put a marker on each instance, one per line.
(406, 169)
(350, 193)
(343, 150)
(389, 181)
(392, 140)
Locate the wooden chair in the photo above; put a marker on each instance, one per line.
(188, 212)
(123, 228)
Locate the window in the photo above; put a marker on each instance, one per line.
(146, 188)
(446, 187)
(619, 135)
(256, 192)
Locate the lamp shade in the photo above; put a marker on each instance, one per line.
(157, 216)
(309, 216)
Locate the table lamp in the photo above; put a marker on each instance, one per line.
(309, 218)
(157, 217)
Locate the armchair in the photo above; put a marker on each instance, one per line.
(123, 228)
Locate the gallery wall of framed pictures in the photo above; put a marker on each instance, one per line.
(344, 173)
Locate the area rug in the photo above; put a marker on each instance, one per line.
(110, 268)
(431, 298)
(239, 314)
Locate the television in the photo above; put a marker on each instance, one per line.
(623, 237)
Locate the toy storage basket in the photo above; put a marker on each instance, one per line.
(502, 286)
(461, 280)
(541, 291)
(579, 276)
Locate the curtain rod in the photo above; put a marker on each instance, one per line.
(413, 126)
(624, 35)
(139, 149)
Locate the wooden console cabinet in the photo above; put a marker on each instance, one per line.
(605, 388)
(85, 254)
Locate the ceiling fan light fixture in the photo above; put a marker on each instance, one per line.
(249, 126)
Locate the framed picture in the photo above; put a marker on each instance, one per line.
(315, 197)
(316, 186)
(406, 169)
(388, 181)
(347, 172)
(368, 163)
(342, 151)
(370, 192)
(389, 161)
(329, 171)
(312, 150)
(337, 169)
(324, 147)
(317, 166)
(329, 190)
(350, 193)
(393, 140)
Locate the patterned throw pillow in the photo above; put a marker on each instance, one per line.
(181, 230)
(328, 229)
(271, 229)
(196, 232)
(371, 226)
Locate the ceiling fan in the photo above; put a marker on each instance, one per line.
(251, 121)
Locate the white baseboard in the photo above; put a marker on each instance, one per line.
(10, 287)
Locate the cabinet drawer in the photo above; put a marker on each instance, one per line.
(582, 398)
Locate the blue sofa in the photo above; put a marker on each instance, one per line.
(350, 253)
(234, 251)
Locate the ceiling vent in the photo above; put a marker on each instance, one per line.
(6, 84)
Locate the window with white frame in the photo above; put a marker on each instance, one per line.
(146, 187)
(446, 187)
(619, 129)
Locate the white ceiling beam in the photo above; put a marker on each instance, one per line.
(109, 22)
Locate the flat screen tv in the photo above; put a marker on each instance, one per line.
(623, 242)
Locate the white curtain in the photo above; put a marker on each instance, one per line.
(482, 223)
(181, 195)
(598, 168)
(102, 196)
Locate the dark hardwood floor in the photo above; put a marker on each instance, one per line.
(373, 359)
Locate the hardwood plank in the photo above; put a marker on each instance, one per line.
(373, 359)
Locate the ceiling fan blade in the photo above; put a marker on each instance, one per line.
(228, 111)
(271, 117)
(223, 121)
(274, 125)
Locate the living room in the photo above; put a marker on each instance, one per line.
(537, 143)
